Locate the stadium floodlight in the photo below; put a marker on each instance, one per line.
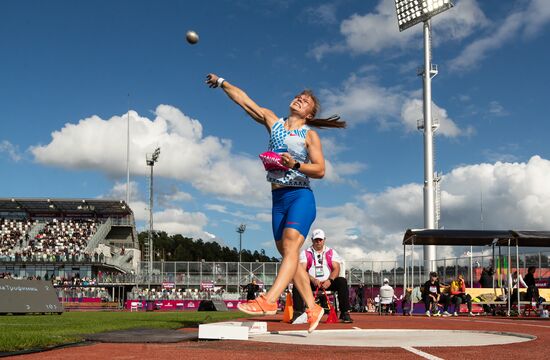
(150, 160)
(241, 229)
(410, 13)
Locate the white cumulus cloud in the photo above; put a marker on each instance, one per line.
(526, 20)
(206, 162)
(378, 31)
(361, 99)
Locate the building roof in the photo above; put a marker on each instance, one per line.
(68, 207)
(448, 237)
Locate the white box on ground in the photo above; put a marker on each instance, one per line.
(232, 330)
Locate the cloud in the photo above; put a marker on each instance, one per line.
(137, 202)
(187, 155)
(361, 99)
(527, 21)
(537, 16)
(322, 14)
(515, 196)
(206, 162)
(496, 109)
(216, 207)
(173, 195)
(475, 52)
(178, 221)
(500, 155)
(378, 31)
(10, 149)
(171, 219)
(412, 112)
(339, 171)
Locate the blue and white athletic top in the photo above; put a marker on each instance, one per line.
(293, 142)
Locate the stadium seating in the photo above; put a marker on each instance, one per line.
(56, 241)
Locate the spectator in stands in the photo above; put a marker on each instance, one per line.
(458, 291)
(532, 290)
(430, 294)
(251, 290)
(323, 266)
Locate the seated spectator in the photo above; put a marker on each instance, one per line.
(430, 294)
(323, 266)
(444, 300)
(387, 297)
(532, 290)
(458, 291)
(515, 280)
(370, 305)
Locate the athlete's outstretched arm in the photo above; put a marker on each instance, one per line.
(262, 115)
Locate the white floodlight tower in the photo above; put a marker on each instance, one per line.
(410, 13)
(151, 159)
(241, 229)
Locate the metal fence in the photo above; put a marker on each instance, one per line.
(233, 275)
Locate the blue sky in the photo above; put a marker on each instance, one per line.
(71, 70)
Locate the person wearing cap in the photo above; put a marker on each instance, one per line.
(389, 301)
(431, 293)
(323, 266)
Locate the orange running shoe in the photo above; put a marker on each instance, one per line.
(258, 306)
(314, 316)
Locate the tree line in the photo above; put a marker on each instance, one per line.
(181, 248)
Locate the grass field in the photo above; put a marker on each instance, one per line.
(39, 331)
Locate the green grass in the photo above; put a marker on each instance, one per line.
(38, 331)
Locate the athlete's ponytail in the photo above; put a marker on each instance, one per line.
(333, 121)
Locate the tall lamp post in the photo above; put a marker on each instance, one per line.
(241, 230)
(410, 13)
(151, 159)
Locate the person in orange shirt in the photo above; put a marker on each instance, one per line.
(459, 296)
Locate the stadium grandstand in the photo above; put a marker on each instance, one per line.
(64, 238)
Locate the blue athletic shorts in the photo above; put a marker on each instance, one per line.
(293, 207)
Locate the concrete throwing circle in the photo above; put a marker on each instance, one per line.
(393, 338)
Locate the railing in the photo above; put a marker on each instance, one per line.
(99, 235)
(370, 273)
(48, 259)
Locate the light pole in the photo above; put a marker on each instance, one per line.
(410, 13)
(241, 230)
(151, 159)
(128, 155)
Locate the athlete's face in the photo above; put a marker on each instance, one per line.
(303, 105)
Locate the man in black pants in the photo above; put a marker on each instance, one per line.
(532, 290)
(251, 290)
(323, 266)
(430, 294)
